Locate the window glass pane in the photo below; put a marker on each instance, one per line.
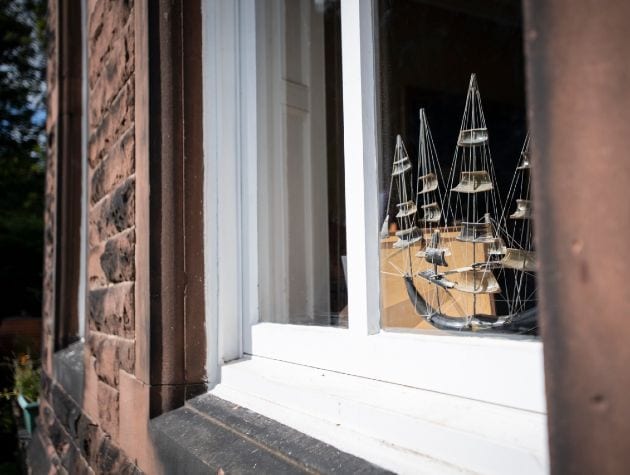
(456, 250)
(301, 208)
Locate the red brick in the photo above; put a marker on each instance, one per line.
(111, 353)
(111, 62)
(112, 310)
(115, 167)
(108, 21)
(113, 214)
(96, 275)
(117, 259)
(110, 128)
(108, 409)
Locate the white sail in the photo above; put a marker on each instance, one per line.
(496, 247)
(474, 182)
(408, 236)
(407, 208)
(523, 209)
(401, 166)
(519, 259)
(476, 232)
(385, 228)
(432, 213)
(429, 183)
(478, 282)
(472, 137)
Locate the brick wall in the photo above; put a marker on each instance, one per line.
(73, 442)
(48, 305)
(111, 203)
(83, 436)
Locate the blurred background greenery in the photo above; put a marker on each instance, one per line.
(22, 154)
(23, 53)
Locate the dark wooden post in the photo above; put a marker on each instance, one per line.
(578, 71)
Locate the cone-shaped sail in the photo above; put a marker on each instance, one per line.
(402, 189)
(473, 204)
(401, 166)
(519, 260)
(428, 198)
(472, 182)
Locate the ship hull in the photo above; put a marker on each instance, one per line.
(519, 322)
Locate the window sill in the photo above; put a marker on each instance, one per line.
(502, 370)
(211, 435)
(68, 370)
(400, 428)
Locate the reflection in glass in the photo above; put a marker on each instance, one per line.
(301, 206)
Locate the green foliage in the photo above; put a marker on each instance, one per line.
(26, 379)
(22, 153)
(7, 423)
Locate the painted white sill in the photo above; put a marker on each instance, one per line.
(501, 370)
(399, 428)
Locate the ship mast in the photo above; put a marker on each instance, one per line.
(408, 232)
(520, 255)
(472, 206)
(430, 199)
(473, 201)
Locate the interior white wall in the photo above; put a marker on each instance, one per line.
(293, 206)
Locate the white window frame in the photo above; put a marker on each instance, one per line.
(505, 371)
(82, 305)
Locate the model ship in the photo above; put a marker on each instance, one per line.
(468, 261)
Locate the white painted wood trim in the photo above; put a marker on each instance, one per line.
(83, 232)
(359, 113)
(249, 155)
(402, 429)
(230, 177)
(499, 370)
(210, 202)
